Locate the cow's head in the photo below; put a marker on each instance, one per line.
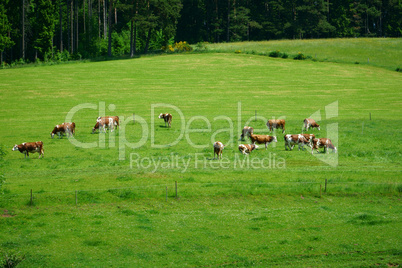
(318, 126)
(161, 116)
(253, 147)
(15, 148)
(52, 134)
(95, 127)
(274, 139)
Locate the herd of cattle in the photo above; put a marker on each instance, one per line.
(112, 122)
(290, 140)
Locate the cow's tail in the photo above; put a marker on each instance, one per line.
(42, 152)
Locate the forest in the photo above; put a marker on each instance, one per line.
(61, 30)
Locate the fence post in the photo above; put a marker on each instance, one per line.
(31, 198)
(325, 190)
(370, 116)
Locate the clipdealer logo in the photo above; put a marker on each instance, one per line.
(185, 131)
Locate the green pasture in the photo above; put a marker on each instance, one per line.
(384, 53)
(100, 199)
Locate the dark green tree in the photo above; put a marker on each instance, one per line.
(241, 24)
(44, 25)
(5, 29)
(392, 18)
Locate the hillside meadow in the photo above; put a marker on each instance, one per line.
(110, 199)
(379, 52)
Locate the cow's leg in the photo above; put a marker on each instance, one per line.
(266, 145)
(292, 146)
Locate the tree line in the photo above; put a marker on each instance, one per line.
(63, 29)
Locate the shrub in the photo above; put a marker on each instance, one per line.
(201, 46)
(76, 56)
(275, 54)
(238, 51)
(398, 69)
(299, 56)
(285, 56)
(11, 260)
(181, 46)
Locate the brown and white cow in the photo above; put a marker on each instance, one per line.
(292, 140)
(115, 120)
(246, 132)
(30, 147)
(104, 123)
(218, 148)
(323, 143)
(167, 118)
(64, 128)
(262, 139)
(276, 123)
(308, 137)
(247, 148)
(310, 123)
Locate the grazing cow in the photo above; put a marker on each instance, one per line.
(30, 147)
(218, 148)
(246, 132)
(308, 137)
(247, 148)
(63, 129)
(309, 122)
(71, 128)
(167, 118)
(280, 123)
(104, 123)
(292, 140)
(323, 143)
(260, 139)
(115, 120)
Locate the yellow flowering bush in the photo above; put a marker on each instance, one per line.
(181, 46)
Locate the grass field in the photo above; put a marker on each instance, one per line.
(100, 199)
(384, 53)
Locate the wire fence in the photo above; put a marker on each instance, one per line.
(190, 190)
